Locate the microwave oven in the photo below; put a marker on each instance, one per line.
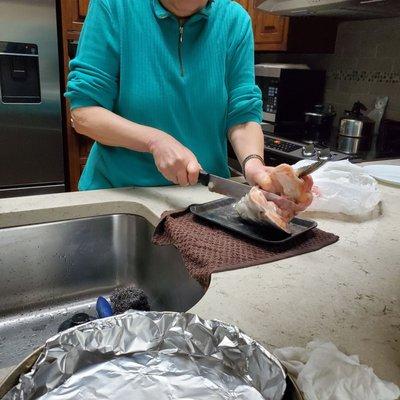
(288, 91)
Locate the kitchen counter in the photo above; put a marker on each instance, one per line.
(348, 293)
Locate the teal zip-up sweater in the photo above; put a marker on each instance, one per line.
(193, 82)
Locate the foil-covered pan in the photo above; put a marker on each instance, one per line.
(146, 355)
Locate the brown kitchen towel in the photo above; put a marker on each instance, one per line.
(206, 248)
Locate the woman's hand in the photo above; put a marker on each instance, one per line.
(259, 175)
(175, 161)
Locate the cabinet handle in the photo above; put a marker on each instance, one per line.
(72, 48)
(270, 29)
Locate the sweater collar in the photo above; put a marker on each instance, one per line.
(163, 13)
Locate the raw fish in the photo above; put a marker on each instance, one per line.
(255, 207)
(281, 180)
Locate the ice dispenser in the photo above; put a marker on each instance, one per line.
(19, 73)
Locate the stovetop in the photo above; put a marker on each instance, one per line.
(290, 151)
(280, 150)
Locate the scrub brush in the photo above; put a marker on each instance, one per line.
(129, 298)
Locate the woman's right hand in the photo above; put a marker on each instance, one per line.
(175, 161)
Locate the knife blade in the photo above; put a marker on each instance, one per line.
(309, 169)
(223, 186)
(238, 190)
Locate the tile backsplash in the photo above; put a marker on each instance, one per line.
(366, 64)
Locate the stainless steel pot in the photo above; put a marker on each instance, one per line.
(349, 145)
(196, 346)
(355, 131)
(351, 127)
(292, 391)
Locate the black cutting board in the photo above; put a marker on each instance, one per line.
(222, 213)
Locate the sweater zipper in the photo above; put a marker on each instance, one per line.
(180, 45)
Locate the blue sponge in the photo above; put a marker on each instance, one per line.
(103, 308)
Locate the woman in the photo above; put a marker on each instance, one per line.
(160, 85)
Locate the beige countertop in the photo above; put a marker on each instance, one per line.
(348, 293)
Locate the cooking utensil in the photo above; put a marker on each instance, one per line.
(238, 190)
(223, 186)
(222, 213)
(309, 169)
(349, 145)
(188, 352)
(292, 391)
(319, 123)
(356, 131)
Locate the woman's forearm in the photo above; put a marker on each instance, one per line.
(110, 129)
(177, 163)
(247, 139)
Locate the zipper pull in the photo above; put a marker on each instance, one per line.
(181, 34)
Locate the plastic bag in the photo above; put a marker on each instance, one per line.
(325, 373)
(342, 187)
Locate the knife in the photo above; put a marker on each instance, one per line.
(309, 169)
(238, 190)
(223, 186)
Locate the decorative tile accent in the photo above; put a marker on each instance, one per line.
(365, 76)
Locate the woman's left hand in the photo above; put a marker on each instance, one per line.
(259, 175)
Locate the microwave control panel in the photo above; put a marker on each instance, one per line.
(271, 101)
(269, 87)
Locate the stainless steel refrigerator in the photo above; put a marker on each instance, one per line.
(31, 141)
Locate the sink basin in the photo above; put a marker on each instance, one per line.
(51, 271)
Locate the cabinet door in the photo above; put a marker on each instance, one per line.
(74, 13)
(244, 3)
(270, 31)
(83, 6)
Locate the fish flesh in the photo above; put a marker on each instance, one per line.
(256, 208)
(281, 180)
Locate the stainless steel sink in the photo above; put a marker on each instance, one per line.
(48, 272)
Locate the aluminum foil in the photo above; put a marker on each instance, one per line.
(153, 355)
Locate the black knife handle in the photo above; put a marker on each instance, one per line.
(204, 178)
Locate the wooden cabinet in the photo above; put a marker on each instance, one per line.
(294, 35)
(270, 31)
(73, 13)
(83, 6)
(244, 3)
